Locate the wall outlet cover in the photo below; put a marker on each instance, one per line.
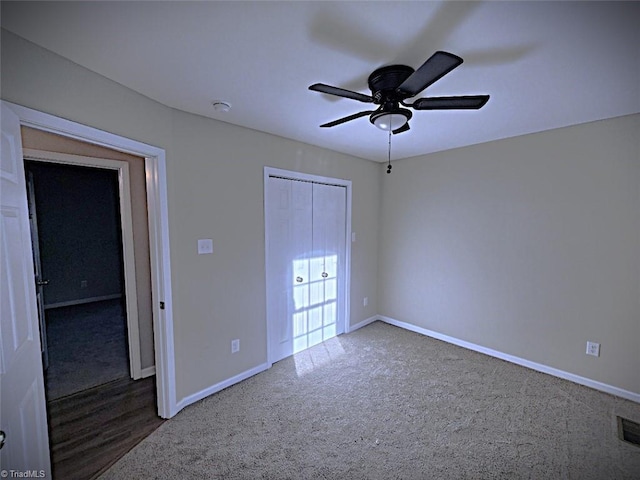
(593, 348)
(205, 246)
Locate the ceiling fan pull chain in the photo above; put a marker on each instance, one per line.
(389, 166)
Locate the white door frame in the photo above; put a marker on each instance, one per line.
(156, 178)
(126, 227)
(305, 177)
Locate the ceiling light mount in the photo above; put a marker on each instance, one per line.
(221, 106)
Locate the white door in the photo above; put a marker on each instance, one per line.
(306, 229)
(327, 265)
(289, 230)
(23, 416)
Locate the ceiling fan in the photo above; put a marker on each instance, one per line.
(391, 85)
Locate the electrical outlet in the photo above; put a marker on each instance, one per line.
(205, 246)
(365, 301)
(83, 284)
(593, 348)
(235, 345)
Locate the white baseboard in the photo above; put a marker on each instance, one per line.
(148, 372)
(82, 301)
(363, 323)
(603, 387)
(220, 386)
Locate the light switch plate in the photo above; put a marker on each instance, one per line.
(205, 246)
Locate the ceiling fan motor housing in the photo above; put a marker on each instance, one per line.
(384, 81)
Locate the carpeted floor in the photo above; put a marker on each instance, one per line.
(87, 347)
(385, 403)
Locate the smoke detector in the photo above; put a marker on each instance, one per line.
(220, 106)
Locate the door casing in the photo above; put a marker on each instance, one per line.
(156, 183)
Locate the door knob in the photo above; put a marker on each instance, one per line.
(325, 274)
(299, 279)
(3, 437)
(42, 283)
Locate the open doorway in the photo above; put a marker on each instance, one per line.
(93, 284)
(25, 401)
(78, 259)
(54, 153)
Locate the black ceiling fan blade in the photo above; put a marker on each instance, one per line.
(403, 128)
(347, 119)
(436, 67)
(466, 102)
(340, 92)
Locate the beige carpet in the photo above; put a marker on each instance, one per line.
(385, 403)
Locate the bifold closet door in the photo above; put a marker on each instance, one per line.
(326, 270)
(290, 243)
(305, 225)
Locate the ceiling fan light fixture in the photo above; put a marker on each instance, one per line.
(389, 121)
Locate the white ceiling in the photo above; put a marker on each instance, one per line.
(545, 64)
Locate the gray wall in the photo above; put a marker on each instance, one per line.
(529, 246)
(79, 232)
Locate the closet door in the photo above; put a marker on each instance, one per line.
(326, 309)
(306, 228)
(288, 226)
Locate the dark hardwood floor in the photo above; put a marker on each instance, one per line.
(90, 430)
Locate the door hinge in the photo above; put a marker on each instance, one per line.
(161, 305)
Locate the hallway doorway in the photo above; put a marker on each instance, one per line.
(25, 402)
(78, 258)
(88, 283)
